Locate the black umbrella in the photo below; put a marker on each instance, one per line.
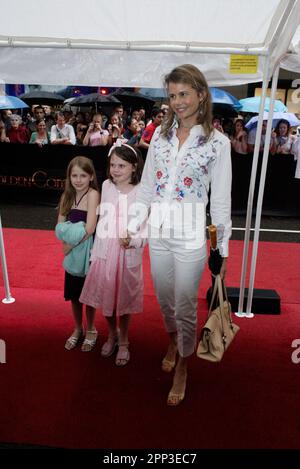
(224, 110)
(214, 261)
(42, 97)
(94, 98)
(133, 99)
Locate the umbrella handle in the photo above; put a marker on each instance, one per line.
(212, 231)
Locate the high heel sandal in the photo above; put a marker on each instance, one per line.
(175, 398)
(89, 344)
(167, 365)
(72, 341)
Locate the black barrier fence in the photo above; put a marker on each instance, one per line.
(28, 170)
(281, 193)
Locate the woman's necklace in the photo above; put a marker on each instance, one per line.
(80, 199)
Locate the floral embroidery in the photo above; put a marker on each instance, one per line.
(190, 175)
(204, 169)
(188, 181)
(180, 194)
(201, 140)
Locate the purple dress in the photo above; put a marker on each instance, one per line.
(73, 285)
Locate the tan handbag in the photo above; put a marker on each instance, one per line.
(219, 330)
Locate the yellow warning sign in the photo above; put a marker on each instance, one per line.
(243, 64)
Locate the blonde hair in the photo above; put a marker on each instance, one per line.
(190, 75)
(68, 196)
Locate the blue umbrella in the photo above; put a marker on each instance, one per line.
(253, 104)
(277, 116)
(219, 96)
(11, 102)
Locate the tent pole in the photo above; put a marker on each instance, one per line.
(8, 298)
(240, 312)
(261, 190)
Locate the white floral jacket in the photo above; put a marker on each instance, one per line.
(174, 178)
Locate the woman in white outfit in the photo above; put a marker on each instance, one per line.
(186, 158)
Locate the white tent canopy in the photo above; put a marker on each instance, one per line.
(131, 43)
(292, 61)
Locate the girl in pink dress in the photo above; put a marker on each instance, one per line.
(114, 282)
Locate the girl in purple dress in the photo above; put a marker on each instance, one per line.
(79, 202)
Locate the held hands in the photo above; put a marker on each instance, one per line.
(125, 240)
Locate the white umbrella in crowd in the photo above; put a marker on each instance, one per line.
(277, 116)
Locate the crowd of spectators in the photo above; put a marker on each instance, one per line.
(43, 126)
(284, 139)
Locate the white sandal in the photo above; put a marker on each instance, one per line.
(89, 344)
(72, 341)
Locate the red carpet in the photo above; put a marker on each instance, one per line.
(80, 400)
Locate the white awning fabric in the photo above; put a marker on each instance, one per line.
(131, 43)
(292, 60)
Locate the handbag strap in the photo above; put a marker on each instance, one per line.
(229, 306)
(218, 289)
(221, 300)
(213, 296)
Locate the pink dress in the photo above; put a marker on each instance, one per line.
(97, 137)
(115, 277)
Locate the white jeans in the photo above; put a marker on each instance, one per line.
(176, 273)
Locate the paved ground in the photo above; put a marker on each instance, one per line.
(37, 215)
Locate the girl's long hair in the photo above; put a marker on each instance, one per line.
(234, 126)
(282, 121)
(190, 75)
(68, 196)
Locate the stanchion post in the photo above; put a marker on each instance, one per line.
(8, 298)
